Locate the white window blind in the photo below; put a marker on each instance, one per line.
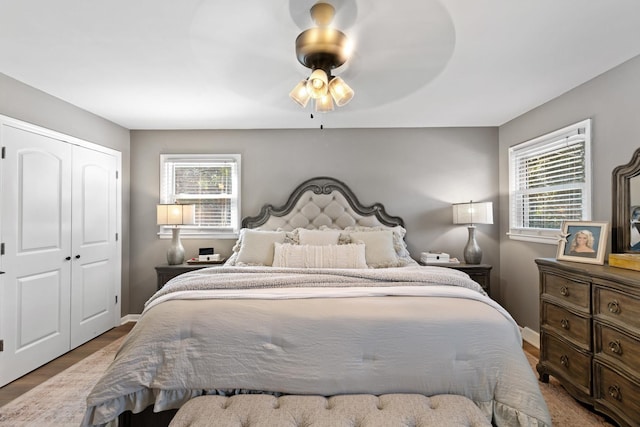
(550, 182)
(209, 181)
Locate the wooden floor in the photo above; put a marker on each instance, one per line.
(40, 375)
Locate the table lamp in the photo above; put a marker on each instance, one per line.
(176, 215)
(473, 213)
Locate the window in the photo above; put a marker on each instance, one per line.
(550, 182)
(212, 183)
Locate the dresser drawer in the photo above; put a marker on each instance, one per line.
(616, 307)
(567, 362)
(617, 392)
(617, 346)
(572, 291)
(573, 327)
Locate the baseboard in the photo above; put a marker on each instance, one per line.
(531, 336)
(129, 318)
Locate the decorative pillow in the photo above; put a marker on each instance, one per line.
(404, 257)
(379, 250)
(233, 258)
(318, 237)
(256, 247)
(319, 256)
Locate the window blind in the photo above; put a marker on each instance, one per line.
(550, 180)
(210, 182)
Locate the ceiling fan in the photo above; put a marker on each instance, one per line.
(322, 49)
(392, 48)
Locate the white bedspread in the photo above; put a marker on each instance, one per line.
(427, 330)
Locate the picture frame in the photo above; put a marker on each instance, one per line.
(583, 241)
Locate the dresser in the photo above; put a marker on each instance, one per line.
(590, 335)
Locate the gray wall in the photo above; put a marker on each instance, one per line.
(612, 100)
(415, 173)
(25, 103)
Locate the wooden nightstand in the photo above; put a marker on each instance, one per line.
(168, 272)
(480, 273)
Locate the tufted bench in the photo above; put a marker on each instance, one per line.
(363, 410)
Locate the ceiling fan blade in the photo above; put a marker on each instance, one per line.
(395, 56)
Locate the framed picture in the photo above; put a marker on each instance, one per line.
(583, 241)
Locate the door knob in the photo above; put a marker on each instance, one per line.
(77, 256)
(68, 258)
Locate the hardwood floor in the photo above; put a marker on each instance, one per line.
(531, 349)
(40, 375)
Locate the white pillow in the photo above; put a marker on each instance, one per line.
(318, 237)
(379, 249)
(404, 257)
(257, 247)
(319, 256)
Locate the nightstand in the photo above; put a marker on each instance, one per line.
(480, 273)
(168, 272)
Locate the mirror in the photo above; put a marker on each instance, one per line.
(625, 223)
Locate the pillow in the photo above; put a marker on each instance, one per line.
(400, 246)
(256, 247)
(379, 250)
(318, 237)
(319, 256)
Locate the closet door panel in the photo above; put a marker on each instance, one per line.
(94, 244)
(35, 229)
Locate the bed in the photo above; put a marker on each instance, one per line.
(320, 297)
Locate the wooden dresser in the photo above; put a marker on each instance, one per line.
(590, 335)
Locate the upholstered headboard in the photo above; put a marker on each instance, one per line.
(321, 201)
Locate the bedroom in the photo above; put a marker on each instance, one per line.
(420, 181)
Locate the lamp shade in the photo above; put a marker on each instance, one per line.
(300, 93)
(324, 104)
(318, 83)
(473, 213)
(175, 214)
(340, 91)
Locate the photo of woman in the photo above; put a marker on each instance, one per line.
(582, 244)
(583, 241)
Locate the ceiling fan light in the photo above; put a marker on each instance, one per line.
(317, 85)
(324, 104)
(340, 91)
(300, 94)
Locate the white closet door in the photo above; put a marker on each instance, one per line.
(35, 229)
(94, 252)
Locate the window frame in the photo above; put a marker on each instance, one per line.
(167, 196)
(549, 235)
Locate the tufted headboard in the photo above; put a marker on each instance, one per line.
(321, 201)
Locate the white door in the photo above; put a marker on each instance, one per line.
(94, 251)
(36, 228)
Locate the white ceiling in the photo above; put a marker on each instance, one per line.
(213, 64)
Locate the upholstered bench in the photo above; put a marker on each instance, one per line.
(363, 410)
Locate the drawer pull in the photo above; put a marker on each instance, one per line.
(615, 347)
(564, 291)
(614, 306)
(564, 360)
(565, 324)
(614, 391)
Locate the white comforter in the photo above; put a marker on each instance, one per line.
(426, 330)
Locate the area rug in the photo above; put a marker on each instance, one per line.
(60, 401)
(566, 411)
